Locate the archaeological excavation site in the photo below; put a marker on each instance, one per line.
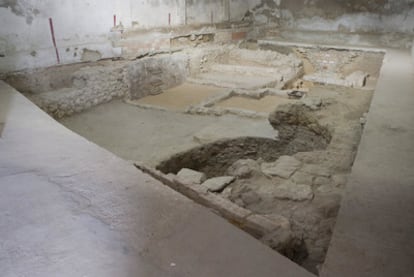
(207, 138)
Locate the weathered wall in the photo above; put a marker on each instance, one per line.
(339, 15)
(25, 37)
(151, 76)
(100, 82)
(83, 27)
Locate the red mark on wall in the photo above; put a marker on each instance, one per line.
(52, 31)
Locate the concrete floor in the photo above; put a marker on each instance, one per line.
(156, 135)
(374, 235)
(70, 208)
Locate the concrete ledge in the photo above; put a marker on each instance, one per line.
(375, 225)
(257, 225)
(70, 208)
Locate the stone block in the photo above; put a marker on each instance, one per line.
(291, 191)
(218, 184)
(190, 177)
(284, 167)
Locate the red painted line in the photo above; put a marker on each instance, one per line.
(52, 31)
(114, 20)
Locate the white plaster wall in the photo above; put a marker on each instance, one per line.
(78, 24)
(25, 39)
(154, 13)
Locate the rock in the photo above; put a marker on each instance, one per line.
(288, 117)
(244, 169)
(316, 170)
(322, 181)
(250, 197)
(357, 79)
(190, 177)
(218, 184)
(340, 180)
(284, 167)
(291, 191)
(301, 177)
(227, 192)
(326, 189)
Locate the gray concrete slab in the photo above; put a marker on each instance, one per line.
(374, 235)
(70, 208)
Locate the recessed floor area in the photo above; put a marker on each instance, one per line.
(151, 135)
(284, 128)
(181, 97)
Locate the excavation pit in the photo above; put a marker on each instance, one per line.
(214, 159)
(296, 172)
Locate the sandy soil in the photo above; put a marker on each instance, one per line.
(180, 97)
(266, 104)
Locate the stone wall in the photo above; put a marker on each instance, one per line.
(97, 83)
(91, 86)
(151, 76)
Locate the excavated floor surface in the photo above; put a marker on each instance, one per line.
(309, 195)
(266, 104)
(153, 136)
(180, 97)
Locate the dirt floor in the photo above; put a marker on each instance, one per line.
(180, 97)
(151, 135)
(266, 104)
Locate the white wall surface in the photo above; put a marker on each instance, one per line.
(26, 42)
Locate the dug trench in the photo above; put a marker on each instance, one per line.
(295, 181)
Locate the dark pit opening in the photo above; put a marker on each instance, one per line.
(214, 159)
